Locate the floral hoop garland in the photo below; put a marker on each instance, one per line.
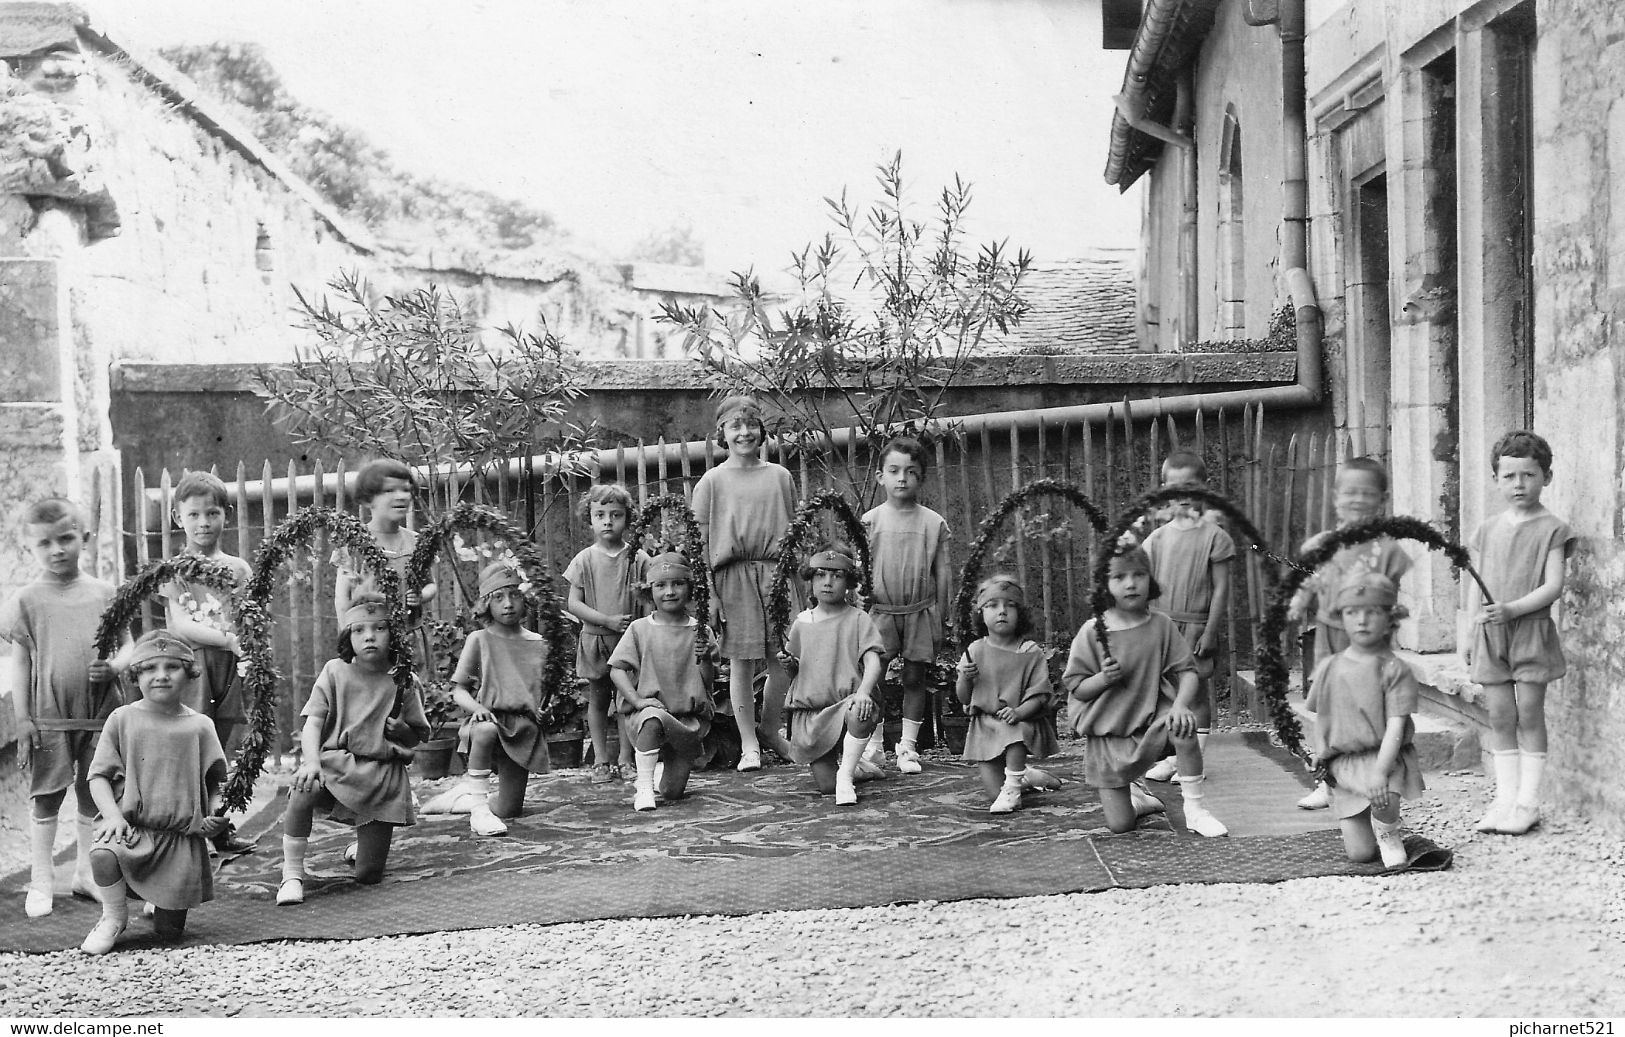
(647, 525)
(1271, 661)
(1284, 720)
(971, 572)
(254, 624)
(520, 552)
(793, 546)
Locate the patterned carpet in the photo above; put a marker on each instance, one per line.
(739, 844)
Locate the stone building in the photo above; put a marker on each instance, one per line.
(1450, 176)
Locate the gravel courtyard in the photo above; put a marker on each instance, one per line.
(1531, 926)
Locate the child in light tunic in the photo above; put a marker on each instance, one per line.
(499, 684)
(834, 654)
(357, 740)
(1132, 704)
(156, 780)
(1004, 680)
(665, 693)
(744, 506)
(1363, 698)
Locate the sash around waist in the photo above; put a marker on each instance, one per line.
(902, 610)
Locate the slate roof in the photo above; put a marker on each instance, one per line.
(1082, 305)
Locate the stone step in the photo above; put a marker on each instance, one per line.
(1448, 722)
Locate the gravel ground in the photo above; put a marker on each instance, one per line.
(1531, 926)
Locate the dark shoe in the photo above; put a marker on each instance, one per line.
(229, 842)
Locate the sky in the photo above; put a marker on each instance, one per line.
(733, 117)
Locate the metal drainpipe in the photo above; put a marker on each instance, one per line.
(1184, 122)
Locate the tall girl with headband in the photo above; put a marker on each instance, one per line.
(498, 682)
(357, 741)
(1130, 704)
(744, 506)
(834, 653)
(1004, 681)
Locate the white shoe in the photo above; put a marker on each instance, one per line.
(1319, 798)
(1518, 820)
(350, 851)
(908, 761)
(1039, 778)
(482, 822)
(455, 800)
(1143, 802)
(1163, 770)
(1492, 819)
(37, 904)
(846, 793)
(869, 770)
(149, 910)
(1198, 820)
(643, 799)
(102, 937)
(750, 760)
(84, 887)
(1006, 802)
(1390, 845)
(292, 891)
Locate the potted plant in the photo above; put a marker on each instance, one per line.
(563, 717)
(434, 756)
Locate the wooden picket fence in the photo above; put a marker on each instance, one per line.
(1277, 468)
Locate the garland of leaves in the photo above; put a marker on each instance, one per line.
(133, 593)
(1281, 715)
(646, 532)
(971, 573)
(795, 545)
(254, 624)
(1271, 661)
(541, 594)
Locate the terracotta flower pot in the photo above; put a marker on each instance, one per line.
(432, 759)
(565, 749)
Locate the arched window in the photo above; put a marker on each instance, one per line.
(1231, 320)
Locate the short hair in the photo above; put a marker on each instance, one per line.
(1185, 459)
(806, 572)
(1522, 443)
(347, 650)
(53, 509)
(482, 607)
(605, 493)
(746, 406)
(1367, 464)
(369, 482)
(911, 448)
(1140, 555)
(978, 625)
(200, 484)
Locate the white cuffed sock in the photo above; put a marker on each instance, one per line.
(647, 759)
(293, 857)
(1531, 768)
(1506, 764)
(115, 902)
(42, 876)
(85, 833)
(877, 743)
(911, 734)
(476, 785)
(851, 752)
(1012, 779)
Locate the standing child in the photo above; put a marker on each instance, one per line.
(385, 485)
(1515, 649)
(906, 545)
(1190, 560)
(499, 684)
(1363, 698)
(834, 653)
(156, 780)
(603, 581)
(357, 740)
(60, 691)
(665, 693)
(744, 507)
(1004, 680)
(1132, 704)
(1360, 493)
(206, 620)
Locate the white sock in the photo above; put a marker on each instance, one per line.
(293, 856)
(43, 875)
(877, 743)
(911, 734)
(1531, 767)
(646, 761)
(851, 752)
(85, 832)
(1012, 779)
(115, 902)
(477, 787)
(1506, 764)
(1191, 789)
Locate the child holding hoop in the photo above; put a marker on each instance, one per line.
(498, 683)
(744, 506)
(1004, 681)
(604, 579)
(156, 780)
(1132, 703)
(834, 654)
(1363, 698)
(906, 548)
(357, 740)
(665, 693)
(1515, 651)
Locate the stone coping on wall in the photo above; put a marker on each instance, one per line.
(1264, 368)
